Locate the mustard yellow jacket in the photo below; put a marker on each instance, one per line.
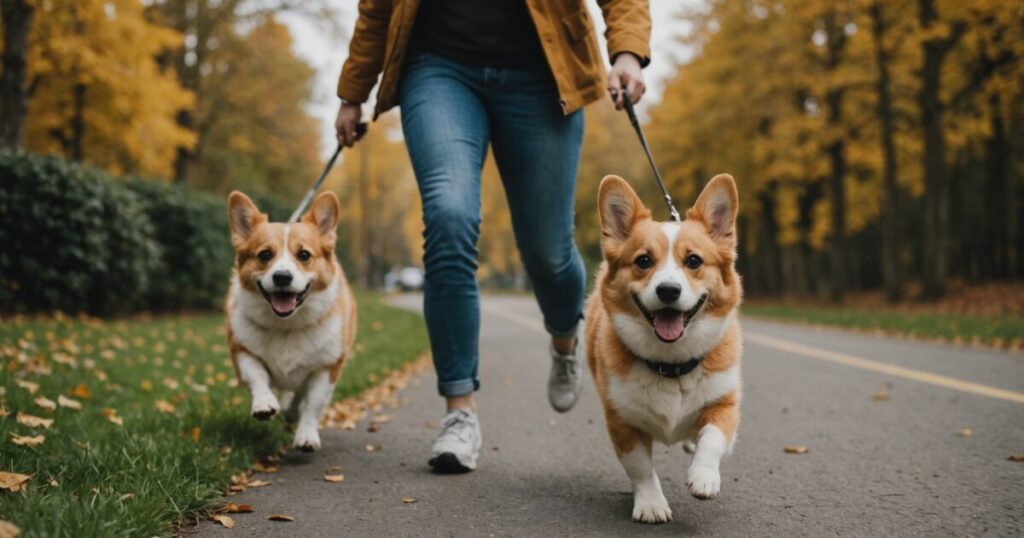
(565, 29)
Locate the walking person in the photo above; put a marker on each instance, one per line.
(512, 75)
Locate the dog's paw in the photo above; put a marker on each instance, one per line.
(306, 440)
(704, 482)
(651, 508)
(265, 406)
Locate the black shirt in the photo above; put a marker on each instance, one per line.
(492, 33)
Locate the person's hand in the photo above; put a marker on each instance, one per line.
(626, 74)
(348, 118)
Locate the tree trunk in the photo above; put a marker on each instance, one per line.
(76, 143)
(836, 150)
(936, 211)
(997, 196)
(17, 20)
(892, 236)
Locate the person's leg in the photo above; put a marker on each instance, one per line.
(446, 132)
(537, 150)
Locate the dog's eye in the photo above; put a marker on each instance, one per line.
(644, 261)
(693, 261)
(304, 255)
(265, 255)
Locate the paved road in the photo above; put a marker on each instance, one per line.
(875, 468)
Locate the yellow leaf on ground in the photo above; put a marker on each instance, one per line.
(796, 449)
(13, 481)
(334, 477)
(196, 434)
(146, 385)
(882, 394)
(233, 508)
(1016, 457)
(257, 483)
(25, 440)
(28, 385)
(111, 415)
(164, 406)
(223, 520)
(372, 448)
(81, 391)
(966, 432)
(46, 403)
(34, 422)
(64, 401)
(280, 517)
(9, 530)
(409, 500)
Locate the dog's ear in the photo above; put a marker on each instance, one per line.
(620, 209)
(324, 214)
(716, 208)
(243, 215)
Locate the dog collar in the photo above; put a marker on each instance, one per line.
(673, 370)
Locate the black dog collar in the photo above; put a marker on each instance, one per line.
(673, 370)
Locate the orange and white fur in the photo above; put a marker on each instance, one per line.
(291, 314)
(648, 304)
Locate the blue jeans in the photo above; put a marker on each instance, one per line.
(450, 114)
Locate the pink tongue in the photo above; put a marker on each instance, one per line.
(284, 302)
(669, 325)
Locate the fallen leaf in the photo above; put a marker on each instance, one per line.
(81, 391)
(372, 448)
(334, 477)
(64, 401)
(9, 530)
(46, 403)
(126, 496)
(146, 385)
(164, 406)
(111, 415)
(13, 481)
(966, 432)
(280, 517)
(196, 434)
(257, 483)
(1016, 457)
(795, 449)
(409, 500)
(28, 385)
(882, 394)
(33, 421)
(232, 508)
(261, 467)
(24, 440)
(226, 521)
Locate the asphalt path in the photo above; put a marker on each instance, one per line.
(895, 465)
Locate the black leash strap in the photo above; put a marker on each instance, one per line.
(360, 131)
(650, 158)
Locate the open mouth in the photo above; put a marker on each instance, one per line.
(670, 324)
(283, 303)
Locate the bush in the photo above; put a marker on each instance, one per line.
(76, 239)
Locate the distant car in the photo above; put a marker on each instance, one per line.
(410, 279)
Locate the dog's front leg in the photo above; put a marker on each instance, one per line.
(633, 447)
(257, 378)
(316, 397)
(717, 425)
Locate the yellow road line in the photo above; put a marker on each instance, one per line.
(883, 367)
(825, 355)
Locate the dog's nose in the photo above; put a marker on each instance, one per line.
(284, 278)
(668, 292)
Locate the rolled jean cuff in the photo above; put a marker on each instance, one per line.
(568, 333)
(460, 387)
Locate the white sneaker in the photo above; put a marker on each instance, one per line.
(566, 379)
(457, 447)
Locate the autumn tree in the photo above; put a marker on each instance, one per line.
(17, 18)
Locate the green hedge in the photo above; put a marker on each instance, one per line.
(76, 239)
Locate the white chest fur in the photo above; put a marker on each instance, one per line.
(293, 347)
(667, 409)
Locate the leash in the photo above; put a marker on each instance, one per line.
(650, 158)
(360, 131)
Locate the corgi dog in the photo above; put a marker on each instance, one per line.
(663, 336)
(291, 314)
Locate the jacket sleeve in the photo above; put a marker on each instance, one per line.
(628, 28)
(365, 51)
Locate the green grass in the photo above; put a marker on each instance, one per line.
(92, 477)
(999, 331)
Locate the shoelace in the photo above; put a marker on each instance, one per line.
(567, 367)
(457, 424)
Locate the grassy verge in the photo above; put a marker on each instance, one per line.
(162, 424)
(998, 331)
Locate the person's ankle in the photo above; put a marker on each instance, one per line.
(461, 402)
(564, 346)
